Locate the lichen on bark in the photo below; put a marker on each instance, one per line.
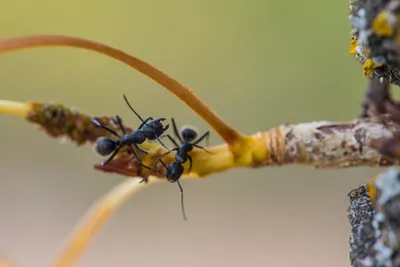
(375, 37)
(375, 222)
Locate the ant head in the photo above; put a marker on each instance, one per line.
(156, 127)
(105, 146)
(188, 133)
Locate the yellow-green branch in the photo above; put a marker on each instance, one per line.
(320, 144)
(230, 135)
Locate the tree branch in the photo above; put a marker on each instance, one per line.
(319, 144)
(374, 215)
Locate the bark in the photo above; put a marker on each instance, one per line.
(375, 37)
(375, 222)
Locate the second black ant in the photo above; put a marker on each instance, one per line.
(175, 169)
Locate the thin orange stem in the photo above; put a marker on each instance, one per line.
(230, 135)
(105, 207)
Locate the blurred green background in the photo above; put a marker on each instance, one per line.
(258, 63)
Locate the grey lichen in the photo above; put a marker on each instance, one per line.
(362, 238)
(375, 221)
(375, 37)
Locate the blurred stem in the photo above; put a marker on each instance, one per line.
(96, 219)
(6, 263)
(14, 108)
(230, 135)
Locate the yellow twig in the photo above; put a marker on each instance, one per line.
(229, 134)
(14, 108)
(102, 211)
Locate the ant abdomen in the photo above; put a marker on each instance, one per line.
(105, 146)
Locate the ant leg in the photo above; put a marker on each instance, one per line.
(111, 157)
(158, 139)
(138, 159)
(169, 180)
(205, 135)
(119, 122)
(206, 150)
(176, 132)
(153, 168)
(169, 151)
(141, 149)
(144, 122)
(182, 205)
(170, 138)
(190, 162)
(129, 105)
(105, 127)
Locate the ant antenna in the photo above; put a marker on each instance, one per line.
(182, 205)
(144, 122)
(129, 105)
(177, 180)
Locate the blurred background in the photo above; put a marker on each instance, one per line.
(259, 63)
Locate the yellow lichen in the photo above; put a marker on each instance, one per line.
(353, 45)
(369, 67)
(366, 51)
(381, 25)
(372, 188)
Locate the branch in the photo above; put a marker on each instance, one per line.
(375, 37)
(319, 144)
(374, 215)
(184, 93)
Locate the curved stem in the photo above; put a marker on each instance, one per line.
(102, 211)
(184, 93)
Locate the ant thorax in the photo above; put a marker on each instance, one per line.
(135, 137)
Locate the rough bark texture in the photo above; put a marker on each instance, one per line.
(327, 144)
(375, 221)
(375, 37)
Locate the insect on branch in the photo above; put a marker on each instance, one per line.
(319, 144)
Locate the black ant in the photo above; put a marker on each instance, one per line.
(186, 137)
(175, 169)
(152, 129)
